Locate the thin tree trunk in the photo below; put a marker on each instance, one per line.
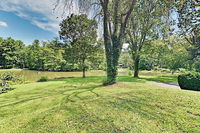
(83, 70)
(136, 66)
(84, 76)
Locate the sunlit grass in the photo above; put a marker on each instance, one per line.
(30, 75)
(84, 105)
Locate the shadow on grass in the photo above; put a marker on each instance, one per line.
(79, 91)
(100, 79)
(129, 79)
(97, 79)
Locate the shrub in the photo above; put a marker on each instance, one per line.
(11, 78)
(189, 81)
(130, 73)
(7, 79)
(43, 79)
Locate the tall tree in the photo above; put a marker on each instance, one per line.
(189, 23)
(81, 32)
(144, 20)
(36, 56)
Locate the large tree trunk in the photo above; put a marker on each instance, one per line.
(113, 61)
(111, 69)
(113, 41)
(136, 66)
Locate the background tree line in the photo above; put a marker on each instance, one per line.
(45, 56)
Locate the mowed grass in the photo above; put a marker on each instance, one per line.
(73, 105)
(32, 76)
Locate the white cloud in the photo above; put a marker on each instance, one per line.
(39, 12)
(3, 24)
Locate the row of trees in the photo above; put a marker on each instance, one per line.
(50, 56)
(140, 20)
(171, 55)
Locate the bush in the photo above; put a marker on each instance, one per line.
(43, 79)
(11, 77)
(189, 81)
(7, 79)
(130, 72)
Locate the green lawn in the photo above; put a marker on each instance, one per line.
(32, 76)
(84, 105)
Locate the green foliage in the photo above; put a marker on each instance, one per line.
(82, 48)
(7, 79)
(188, 22)
(10, 53)
(125, 60)
(45, 56)
(170, 54)
(144, 25)
(11, 77)
(145, 64)
(197, 65)
(189, 81)
(130, 73)
(43, 79)
(162, 69)
(4, 86)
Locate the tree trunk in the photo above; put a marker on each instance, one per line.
(113, 41)
(112, 56)
(136, 66)
(83, 68)
(84, 73)
(111, 70)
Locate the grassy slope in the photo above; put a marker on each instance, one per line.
(76, 104)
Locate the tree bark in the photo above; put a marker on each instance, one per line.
(136, 66)
(111, 70)
(113, 40)
(83, 68)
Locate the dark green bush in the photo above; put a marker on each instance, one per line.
(43, 79)
(189, 81)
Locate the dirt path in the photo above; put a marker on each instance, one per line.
(167, 85)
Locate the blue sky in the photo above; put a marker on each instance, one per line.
(28, 20)
(22, 29)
